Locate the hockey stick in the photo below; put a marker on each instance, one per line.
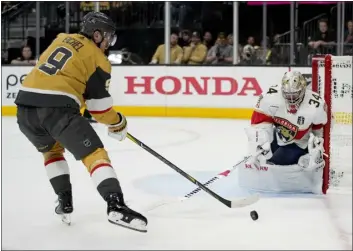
(210, 181)
(222, 174)
(197, 190)
(229, 203)
(214, 178)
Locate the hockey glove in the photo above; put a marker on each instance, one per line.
(118, 131)
(259, 141)
(316, 152)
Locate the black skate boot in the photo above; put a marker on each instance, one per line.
(120, 214)
(64, 208)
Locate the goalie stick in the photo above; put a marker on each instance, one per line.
(229, 203)
(207, 183)
(217, 177)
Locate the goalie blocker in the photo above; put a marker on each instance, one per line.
(287, 126)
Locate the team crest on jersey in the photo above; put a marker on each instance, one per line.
(286, 131)
(300, 120)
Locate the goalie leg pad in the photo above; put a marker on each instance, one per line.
(102, 173)
(57, 169)
(316, 160)
(266, 177)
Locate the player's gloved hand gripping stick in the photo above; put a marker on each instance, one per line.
(229, 203)
(118, 131)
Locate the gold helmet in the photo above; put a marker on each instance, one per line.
(293, 90)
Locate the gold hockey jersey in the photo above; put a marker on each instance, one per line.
(72, 72)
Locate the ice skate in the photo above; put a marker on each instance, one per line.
(120, 214)
(64, 207)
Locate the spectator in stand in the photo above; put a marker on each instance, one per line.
(184, 38)
(129, 58)
(324, 40)
(251, 41)
(26, 57)
(196, 52)
(348, 39)
(239, 48)
(249, 52)
(176, 52)
(207, 40)
(221, 52)
(273, 55)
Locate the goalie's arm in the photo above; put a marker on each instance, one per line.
(320, 120)
(260, 134)
(260, 114)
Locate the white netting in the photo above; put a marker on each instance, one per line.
(341, 120)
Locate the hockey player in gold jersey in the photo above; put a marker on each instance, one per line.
(71, 74)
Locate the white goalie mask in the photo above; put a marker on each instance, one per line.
(293, 90)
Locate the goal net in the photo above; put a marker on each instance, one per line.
(332, 79)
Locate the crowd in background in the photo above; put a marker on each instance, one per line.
(194, 49)
(193, 43)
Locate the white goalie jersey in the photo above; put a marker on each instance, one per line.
(271, 114)
(290, 128)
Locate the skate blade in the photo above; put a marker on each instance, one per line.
(136, 224)
(66, 219)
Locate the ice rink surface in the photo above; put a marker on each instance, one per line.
(202, 147)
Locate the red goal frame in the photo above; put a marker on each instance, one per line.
(326, 62)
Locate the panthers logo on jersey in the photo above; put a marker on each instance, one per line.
(286, 131)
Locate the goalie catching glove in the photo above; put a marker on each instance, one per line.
(118, 131)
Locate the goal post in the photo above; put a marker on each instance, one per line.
(332, 78)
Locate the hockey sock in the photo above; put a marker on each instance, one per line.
(104, 176)
(58, 173)
(102, 172)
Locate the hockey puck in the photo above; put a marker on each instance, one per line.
(254, 215)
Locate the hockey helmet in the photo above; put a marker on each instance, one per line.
(98, 21)
(293, 89)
